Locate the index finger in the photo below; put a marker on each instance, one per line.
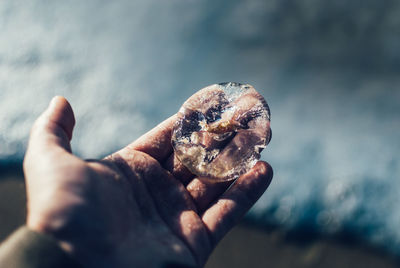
(156, 142)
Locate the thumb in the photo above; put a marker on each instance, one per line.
(53, 129)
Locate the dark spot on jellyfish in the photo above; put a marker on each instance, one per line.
(224, 83)
(213, 114)
(190, 123)
(249, 116)
(265, 104)
(232, 84)
(244, 122)
(270, 135)
(209, 157)
(194, 116)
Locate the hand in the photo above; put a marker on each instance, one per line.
(137, 207)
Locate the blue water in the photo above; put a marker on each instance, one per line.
(329, 72)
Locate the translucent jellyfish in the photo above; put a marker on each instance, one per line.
(221, 131)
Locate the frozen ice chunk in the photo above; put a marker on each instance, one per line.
(221, 131)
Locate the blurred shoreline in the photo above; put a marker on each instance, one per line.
(11, 169)
(247, 245)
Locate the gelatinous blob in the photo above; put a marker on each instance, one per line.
(221, 131)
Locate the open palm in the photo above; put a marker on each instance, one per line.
(138, 207)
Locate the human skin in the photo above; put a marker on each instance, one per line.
(138, 207)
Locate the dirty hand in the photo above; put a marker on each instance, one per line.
(137, 207)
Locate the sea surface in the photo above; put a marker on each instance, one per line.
(328, 69)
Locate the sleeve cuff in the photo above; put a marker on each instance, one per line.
(26, 248)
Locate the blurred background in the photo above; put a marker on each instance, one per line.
(328, 69)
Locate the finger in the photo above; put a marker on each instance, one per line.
(53, 129)
(156, 142)
(235, 202)
(205, 192)
(178, 170)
